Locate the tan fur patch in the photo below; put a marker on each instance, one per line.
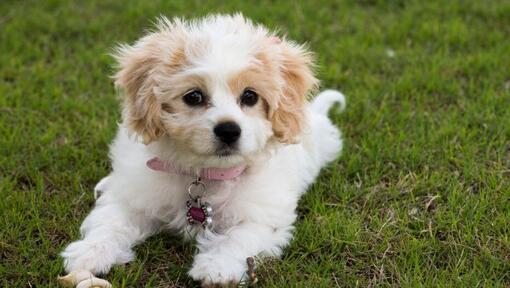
(286, 108)
(139, 64)
(258, 79)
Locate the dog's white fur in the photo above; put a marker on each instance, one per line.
(254, 213)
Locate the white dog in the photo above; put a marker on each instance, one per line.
(217, 142)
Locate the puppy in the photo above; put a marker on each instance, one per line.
(217, 142)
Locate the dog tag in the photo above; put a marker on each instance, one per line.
(198, 212)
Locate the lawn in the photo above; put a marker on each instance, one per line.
(419, 197)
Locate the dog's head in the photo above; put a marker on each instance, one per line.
(218, 88)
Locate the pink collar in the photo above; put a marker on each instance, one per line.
(206, 173)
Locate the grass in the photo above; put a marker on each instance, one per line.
(420, 196)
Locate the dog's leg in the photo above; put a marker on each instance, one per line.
(108, 234)
(222, 258)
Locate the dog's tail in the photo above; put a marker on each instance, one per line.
(326, 99)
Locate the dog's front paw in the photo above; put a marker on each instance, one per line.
(94, 257)
(218, 270)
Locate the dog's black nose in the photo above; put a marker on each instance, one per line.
(227, 132)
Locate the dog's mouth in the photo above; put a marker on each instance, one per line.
(226, 151)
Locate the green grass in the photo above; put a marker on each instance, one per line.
(420, 196)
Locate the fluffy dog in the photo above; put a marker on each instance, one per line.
(217, 142)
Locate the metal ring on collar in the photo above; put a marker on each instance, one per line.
(196, 189)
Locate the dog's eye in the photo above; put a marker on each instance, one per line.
(249, 98)
(194, 98)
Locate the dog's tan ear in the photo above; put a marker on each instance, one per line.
(296, 67)
(135, 77)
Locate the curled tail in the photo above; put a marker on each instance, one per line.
(326, 99)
